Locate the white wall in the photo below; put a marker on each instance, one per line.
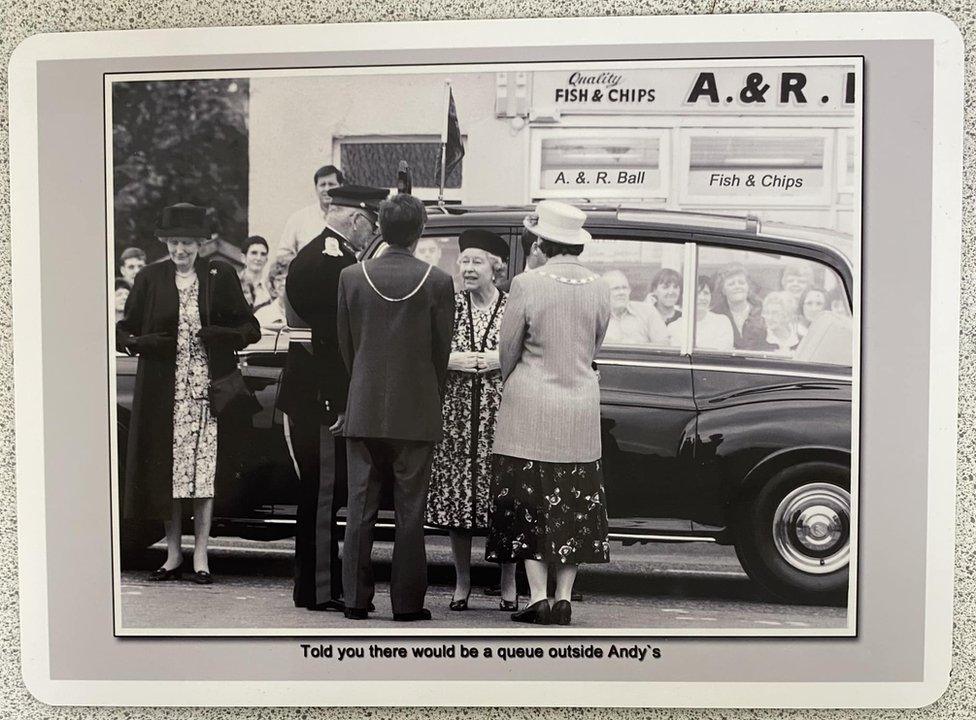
(293, 122)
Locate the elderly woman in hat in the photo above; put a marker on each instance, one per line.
(184, 318)
(459, 497)
(549, 501)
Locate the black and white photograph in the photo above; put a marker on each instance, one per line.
(493, 350)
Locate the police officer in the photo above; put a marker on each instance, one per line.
(314, 389)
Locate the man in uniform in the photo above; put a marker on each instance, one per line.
(314, 389)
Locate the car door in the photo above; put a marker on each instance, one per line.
(648, 413)
(760, 393)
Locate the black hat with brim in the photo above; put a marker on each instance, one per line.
(483, 240)
(362, 197)
(184, 220)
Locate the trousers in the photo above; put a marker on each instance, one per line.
(321, 461)
(406, 464)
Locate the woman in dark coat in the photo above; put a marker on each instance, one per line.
(184, 318)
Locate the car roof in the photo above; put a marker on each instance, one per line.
(657, 219)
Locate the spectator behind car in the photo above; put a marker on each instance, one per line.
(665, 294)
(734, 299)
(712, 331)
(631, 323)
(122, 289)
(796, 279)
(253, 282)
(812, 303)
(131, 261)
(272, 315)
(778, 313)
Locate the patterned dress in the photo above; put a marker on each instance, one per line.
(194, 429)
(460, 479)
(553, 512)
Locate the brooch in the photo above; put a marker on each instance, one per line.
(332, 248)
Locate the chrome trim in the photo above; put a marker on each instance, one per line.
(811, 528)
(656, 537)
(725, 368)
(690, 295)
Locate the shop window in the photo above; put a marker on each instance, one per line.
(758, 167)
(375, 161)
(775, 306)
(645, 280)
(599, 163)
(847, 162)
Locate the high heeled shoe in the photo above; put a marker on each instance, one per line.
(535, 614)
(509, 605)
(462, 604)
(562, 612)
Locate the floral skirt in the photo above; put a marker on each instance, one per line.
(554, 512)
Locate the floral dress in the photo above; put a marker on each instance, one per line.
(194, 428)
(553, 512)
(460, 479)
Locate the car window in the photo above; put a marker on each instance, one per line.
(776, 306)
(645, 290)
(442, 251)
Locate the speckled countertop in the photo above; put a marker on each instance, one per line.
(22, 18)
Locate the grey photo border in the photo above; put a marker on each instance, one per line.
(938, 572)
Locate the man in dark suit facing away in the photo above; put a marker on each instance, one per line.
(313, 392)
(395, 322)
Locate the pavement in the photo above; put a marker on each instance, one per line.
(677, 588)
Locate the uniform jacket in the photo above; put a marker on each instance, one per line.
(153, 307)
(549, 336)
(396, 352)
(316, 383)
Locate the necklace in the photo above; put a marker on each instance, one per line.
(479, 306)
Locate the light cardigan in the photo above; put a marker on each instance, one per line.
(549, 335)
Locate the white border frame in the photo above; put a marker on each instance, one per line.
(943, 350)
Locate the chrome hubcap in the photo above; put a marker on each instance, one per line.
(812, 528)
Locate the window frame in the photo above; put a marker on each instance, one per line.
(537, 135)
(768, 360)
(824, 198)
(421, 192)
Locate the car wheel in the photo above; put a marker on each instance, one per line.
(793, 538)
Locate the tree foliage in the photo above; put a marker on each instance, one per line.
(179, 141)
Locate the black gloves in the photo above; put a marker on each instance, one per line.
(215, 336)
(153, 344)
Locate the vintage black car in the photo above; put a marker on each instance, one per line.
(701, 441)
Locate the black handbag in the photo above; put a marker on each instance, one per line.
(229, 395)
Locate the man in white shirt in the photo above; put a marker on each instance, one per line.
(631, 323)
(309, 222)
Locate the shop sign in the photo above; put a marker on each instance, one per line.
(606, 177)
(739, 90)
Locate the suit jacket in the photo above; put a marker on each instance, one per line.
(396, 352)
(318, 381)
(549, 336)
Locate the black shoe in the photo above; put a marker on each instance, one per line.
(422, 614)
(201, 577)
(461, 604)
(535, 614)
(562, 612)
(161, 574)
(336, 605)
(356, 613)
(508, 605)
